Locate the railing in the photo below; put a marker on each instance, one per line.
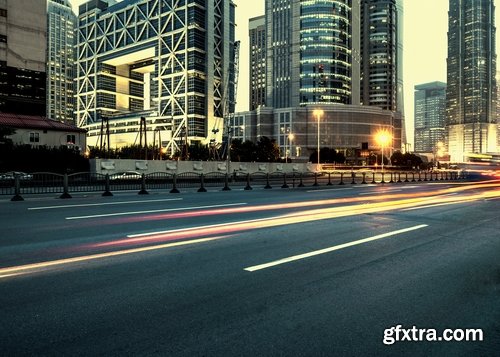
(45, 182)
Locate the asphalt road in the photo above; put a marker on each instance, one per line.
(310, 272)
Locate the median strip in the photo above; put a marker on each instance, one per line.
(331, 249)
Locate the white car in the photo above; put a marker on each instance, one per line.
(10, 175)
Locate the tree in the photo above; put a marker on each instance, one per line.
(267, 150)
(4, 133)
(327, 155)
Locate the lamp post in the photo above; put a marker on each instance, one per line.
(383, 137)
(290, 137)
(318, 113)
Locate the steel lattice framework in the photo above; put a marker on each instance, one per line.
(187, 42)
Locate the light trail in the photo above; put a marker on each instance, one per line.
(37, 267)
(304, 204)
(130, 213)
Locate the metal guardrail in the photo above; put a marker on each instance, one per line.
(46, 182)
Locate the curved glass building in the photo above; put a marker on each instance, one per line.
(326, 52)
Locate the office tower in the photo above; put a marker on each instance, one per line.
(430, 108)
(313, 51)
(23, 28)
(170, 62)
(257, 50)
(382, 53)
(61, 26)
(471, 96)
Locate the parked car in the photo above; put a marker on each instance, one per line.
(10, 175)
(127, 175)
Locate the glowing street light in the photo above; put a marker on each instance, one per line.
(383, 137)
(318, 113)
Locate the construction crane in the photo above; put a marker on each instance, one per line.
(228, 112)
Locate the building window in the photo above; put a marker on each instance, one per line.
(70, 139)
(3, 39)
(34, 137)
(3, 12)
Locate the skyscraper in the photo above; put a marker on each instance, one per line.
(257, 50)
(61, 26)
(23, 30)
(471, 97)
(314, 55)
(430, 108)
(313, 51)
(381, 43)
(170, 62)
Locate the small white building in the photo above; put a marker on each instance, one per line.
(40, 131)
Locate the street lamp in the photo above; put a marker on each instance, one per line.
(318, 113)
(383, 138)
(290, 138)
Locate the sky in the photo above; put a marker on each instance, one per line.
(424, 40)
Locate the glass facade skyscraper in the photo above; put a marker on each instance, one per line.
(430, 107)
(381, 43)
(257, 50)
(328, 50)
(471, 98)
(61, 27)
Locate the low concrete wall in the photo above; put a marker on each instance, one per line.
(104, 166)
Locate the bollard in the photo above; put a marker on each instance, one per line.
(383, 180)
(226, 183)
(315, 184)
(143, 190)
(202, 184)
(285, 185)
(174, 185)
(399, 177)
(373, 178)
(413, 177)
(341, 179)
(248, 187)
(329, 179)
(107, 191)
(17, 189)
(65, 193)
(442, 176)
(392, 180)
(425, 176)
(364, 179)
(301, 184)
(406, 177)
(419, 177)
(267, 186)
(353, 176)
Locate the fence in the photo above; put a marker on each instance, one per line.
(45, 182)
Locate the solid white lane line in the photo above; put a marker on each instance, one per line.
(154, 211)
(331, 249)
(439, 204)
(102, 204)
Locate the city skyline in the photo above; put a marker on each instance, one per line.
(424, 48)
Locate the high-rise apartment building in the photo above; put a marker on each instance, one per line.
(257, 50)
(23, 29)
(430, 108)
(171, 62)
(471, 97)
(61, 31)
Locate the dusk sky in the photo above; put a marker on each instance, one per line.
(425, 42)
